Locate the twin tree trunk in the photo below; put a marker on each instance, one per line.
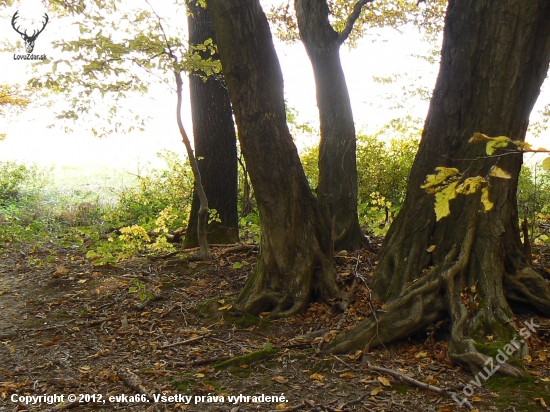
(494, 60)
(292, 263)
(337, 189)
(215, 144)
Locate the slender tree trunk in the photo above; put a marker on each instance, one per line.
(495, 57)
(337, 189)
(293, 266)
(215, 143)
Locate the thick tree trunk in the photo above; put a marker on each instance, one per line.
(337, 189)
(215, 144)
(495, 57)
(292, 263)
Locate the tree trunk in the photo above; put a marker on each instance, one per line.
(215, 144)
(293, 266)
(495, 57)
(337, 189)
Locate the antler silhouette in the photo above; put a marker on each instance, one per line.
(29, 40)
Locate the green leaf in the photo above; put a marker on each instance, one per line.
(495, 144)
(237, 265)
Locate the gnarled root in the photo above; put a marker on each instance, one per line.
(480, 319)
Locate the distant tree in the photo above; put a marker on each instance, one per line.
(323, 27)
(13, 100)
(215, 141)
(469, 266)
(337, 188)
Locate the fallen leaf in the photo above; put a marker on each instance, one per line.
(347, 375)
(421, 355)
(541, 402)
(431, 249)
(280, 379)
(376, 391)
(225, 307)
(317, 377)
(384, 381)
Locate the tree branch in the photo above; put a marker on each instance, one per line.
(352, 18)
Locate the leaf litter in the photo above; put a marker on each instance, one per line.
(69, 327)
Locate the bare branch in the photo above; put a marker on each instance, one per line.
(352, 18)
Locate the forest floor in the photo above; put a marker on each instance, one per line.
(70, 328)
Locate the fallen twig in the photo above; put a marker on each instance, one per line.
(201, 362)
(412, 381)
(183, 342)
(236, 249)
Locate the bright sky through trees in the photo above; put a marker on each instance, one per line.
(383, 53)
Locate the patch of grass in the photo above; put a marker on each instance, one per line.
(519, 392)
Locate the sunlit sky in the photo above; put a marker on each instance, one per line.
(382, 53)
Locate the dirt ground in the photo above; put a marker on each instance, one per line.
(69, 328)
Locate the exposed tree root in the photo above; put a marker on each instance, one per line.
(481, 320)
(267, 291)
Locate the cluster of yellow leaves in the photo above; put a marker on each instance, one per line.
(447, 184)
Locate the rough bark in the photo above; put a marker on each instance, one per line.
(292, 264)
(495, 57)
(215, 143)
(337, 189)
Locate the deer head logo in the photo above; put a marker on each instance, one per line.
(29, 40)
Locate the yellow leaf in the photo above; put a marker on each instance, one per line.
(542, 356)
(384, 381)
(546, 163)
(280, 379)
(442, 199)
(498, 172)
(199, 375)
(281, 407)
(430, 249)
(470, 185)
(421, 355)
(376, 391)
(476, 399)
(226, 307)
(316, 377)
(524, 146)
(433, 183)
(487, 204)
(479, 137)
(541, 402)
(347, 375)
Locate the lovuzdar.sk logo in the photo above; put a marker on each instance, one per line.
(29, 39)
